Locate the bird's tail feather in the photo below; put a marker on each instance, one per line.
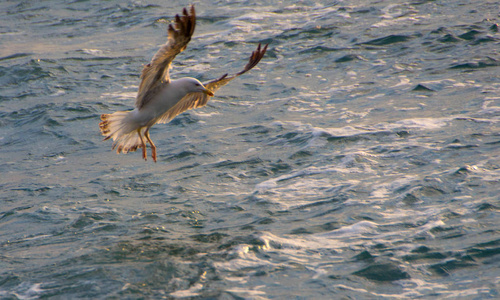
(119, 127)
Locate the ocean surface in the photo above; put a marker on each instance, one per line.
(359, 160)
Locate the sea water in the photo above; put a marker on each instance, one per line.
(359, 160)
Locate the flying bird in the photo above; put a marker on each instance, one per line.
(161, 98)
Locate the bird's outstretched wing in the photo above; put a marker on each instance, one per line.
(157, 71)
(194, 100)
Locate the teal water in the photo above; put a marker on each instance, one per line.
(359, 160)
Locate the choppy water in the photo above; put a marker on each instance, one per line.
(360, 160)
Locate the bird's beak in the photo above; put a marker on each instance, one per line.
(208, 92)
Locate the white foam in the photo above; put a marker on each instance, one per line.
(191, 292)
(253, 293)
(120, 95)
(256, 16)
(488, 108)
(58, 92)
(342, 131)
(271, 183)
(403, 81)
(29, 291)
(326, 240)
(382, 190)
(423, 123)
(353, 230)
(245, 259)
(205, 114)
(93, 52)
(414, 123)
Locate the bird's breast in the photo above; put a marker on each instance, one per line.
(165, 99)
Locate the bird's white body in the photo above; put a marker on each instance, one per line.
(123, 126)
(169, 95)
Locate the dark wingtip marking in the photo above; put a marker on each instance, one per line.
(255, 58)
(265, 49)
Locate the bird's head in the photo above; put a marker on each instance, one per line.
(193, 85)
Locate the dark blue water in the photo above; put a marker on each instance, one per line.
(359, 160)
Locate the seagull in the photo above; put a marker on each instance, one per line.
(161, 98)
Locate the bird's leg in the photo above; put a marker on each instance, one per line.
(143, 145)
(153, 147)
